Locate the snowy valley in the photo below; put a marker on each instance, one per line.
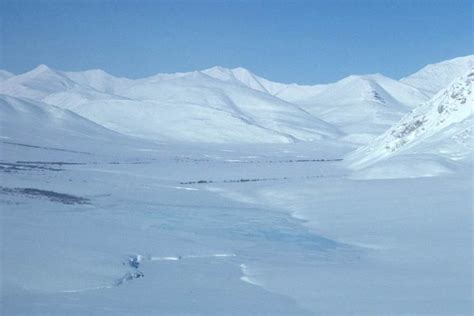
(218, 192)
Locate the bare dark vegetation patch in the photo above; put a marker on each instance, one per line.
(48, 148)
(187, 159)
(243, 180)
(15, 167)
(58, 163)
(50, 195)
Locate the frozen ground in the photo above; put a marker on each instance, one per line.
(227, 230)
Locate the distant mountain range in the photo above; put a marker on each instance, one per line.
(220, 105)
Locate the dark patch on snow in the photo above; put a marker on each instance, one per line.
(48, 148)
(50, 195)
(16, 167)
(243, 180)
(181, 159)
(134, 262)
(377, 97)
(129, 276)
(58, 163)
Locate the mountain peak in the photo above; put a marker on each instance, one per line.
(40, 68)
(218, 71)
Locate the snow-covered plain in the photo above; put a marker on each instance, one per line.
(112, 203)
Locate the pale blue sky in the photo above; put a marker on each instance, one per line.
(288, 41)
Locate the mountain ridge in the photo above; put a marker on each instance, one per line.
(209, 101)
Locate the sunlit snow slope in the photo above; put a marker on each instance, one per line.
(441, 126)
(434, 77)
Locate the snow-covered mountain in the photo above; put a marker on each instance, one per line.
(232, 105)
(43, 82)
(442, 126)
(434, 77)
(367, 104)
(192, 107)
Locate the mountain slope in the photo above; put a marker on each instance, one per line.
(441, 126)
(197, 107)
(363, 106)
(434, 77)
(349, 104)
(99, 80)
(35, 122)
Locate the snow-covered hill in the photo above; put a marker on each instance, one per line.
(434, 77)
(441, 126)
(33, 123)
(366, 104)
